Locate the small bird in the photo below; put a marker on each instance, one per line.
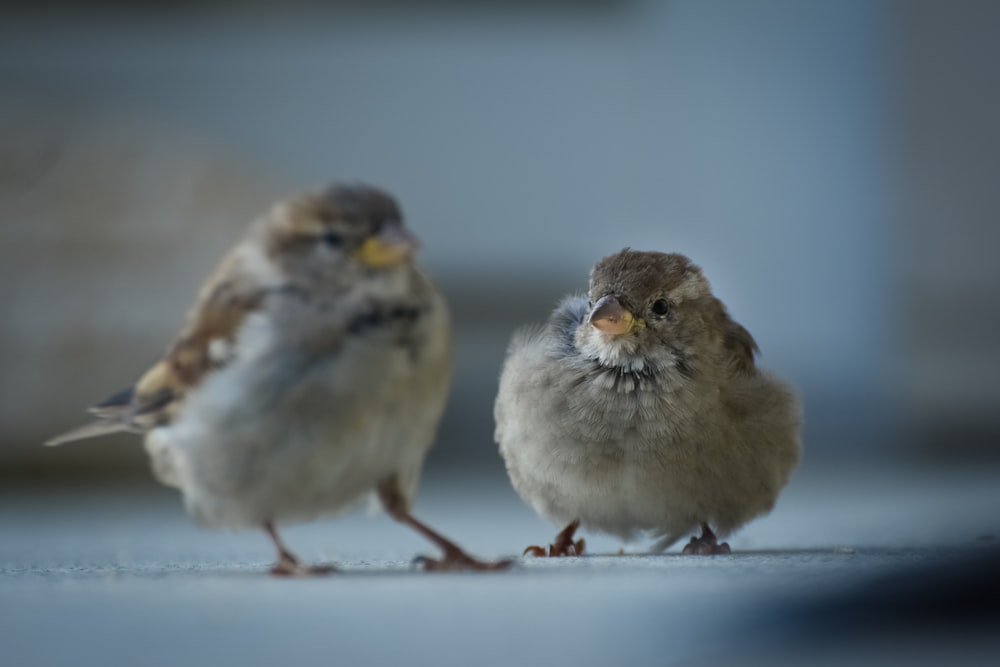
(312, 370)
(639, 408)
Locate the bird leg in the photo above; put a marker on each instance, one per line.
(287, 564)
(563, 545)
(706, 545)
(454, 558)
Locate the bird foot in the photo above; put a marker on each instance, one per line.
(563, 545)
(557, 551)
(290, 567)
(456, 560)
(706, 545)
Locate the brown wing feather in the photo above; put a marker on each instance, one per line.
(741, 348)
(223, 303)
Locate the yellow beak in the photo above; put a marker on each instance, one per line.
(611, 317)
(393, 245)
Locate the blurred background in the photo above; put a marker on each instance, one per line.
(831, 165)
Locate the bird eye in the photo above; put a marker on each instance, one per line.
(660, 307)
(332, 240)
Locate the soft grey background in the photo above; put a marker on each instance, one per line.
(831, 164)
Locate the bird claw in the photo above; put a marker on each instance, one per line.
(557, 550)
(706, 545)
(563, 545)
(457, 561)
(696, 548)
(294, 569)
(287, 564)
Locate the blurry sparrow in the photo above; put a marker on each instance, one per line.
(312, 369)
(639, 408)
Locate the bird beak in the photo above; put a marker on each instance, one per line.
(611, 317)
(391, 246)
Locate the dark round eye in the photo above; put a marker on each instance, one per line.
(332, 240)
(660, 307)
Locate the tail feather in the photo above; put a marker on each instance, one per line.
(90, 430)
(114, 405)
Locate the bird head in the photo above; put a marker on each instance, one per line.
(649, 309)
(337, 235)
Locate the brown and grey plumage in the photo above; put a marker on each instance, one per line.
(312, 369)
(639, 408)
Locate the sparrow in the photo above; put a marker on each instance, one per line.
(639, 409)
(311, 371)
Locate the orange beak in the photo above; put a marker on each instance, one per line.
(392, 246)
(611, 317)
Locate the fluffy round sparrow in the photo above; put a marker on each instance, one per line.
(639, 408)
(312, 370)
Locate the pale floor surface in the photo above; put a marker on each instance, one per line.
(121, 577)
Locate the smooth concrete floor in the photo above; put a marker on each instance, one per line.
(854, 566)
